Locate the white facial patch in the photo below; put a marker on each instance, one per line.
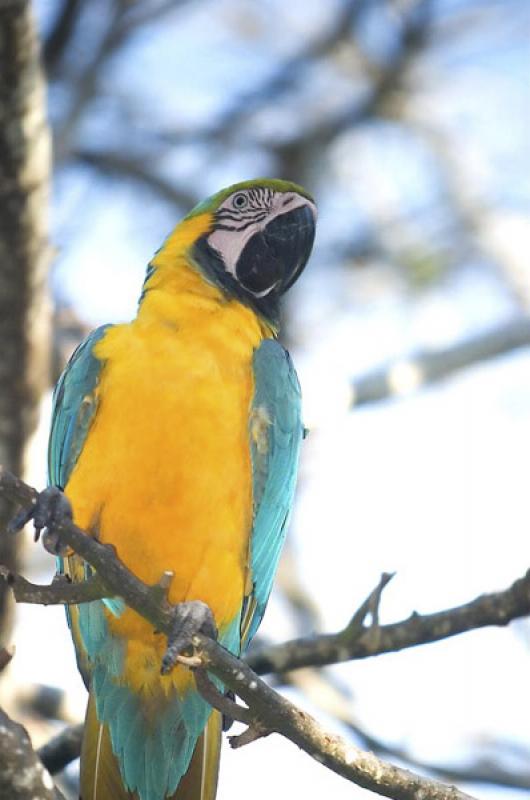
(245, 213)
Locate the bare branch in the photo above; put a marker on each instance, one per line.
(353, 642)
(60, 35)
(60, 591)
(414, 36)
(290, 71)
(497, 608)
(62, 749)
(270, 711)
(429, 366)
(125, 19)
(370, 606)
(140, 14)
(22, 775)
(139, 171)
(274, 713)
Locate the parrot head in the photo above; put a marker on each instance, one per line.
(259, 237)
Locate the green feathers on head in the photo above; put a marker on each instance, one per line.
(213, 202)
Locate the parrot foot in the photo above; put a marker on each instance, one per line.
(228, 720)
(190, 618)
(225, 702)
(51, 507)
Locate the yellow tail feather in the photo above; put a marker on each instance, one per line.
(200, 781)
(100, 777)
(100, 774)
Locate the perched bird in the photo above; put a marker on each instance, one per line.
(175, 437)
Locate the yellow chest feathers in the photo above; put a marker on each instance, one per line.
(165, 473)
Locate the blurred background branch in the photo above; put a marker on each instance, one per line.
(411, 373)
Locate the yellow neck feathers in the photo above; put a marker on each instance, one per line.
(178, 294)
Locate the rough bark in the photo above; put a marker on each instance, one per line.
(24, 312)
(22, 775)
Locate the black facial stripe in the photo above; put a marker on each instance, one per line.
(241, 224)
(255, 202)
(259, 205)
(260, 197)
(239, 212)
(243, 215)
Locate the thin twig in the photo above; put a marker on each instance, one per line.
(370, 606)
(60, 591)
(497, 608)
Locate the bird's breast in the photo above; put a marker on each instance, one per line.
(165, 473)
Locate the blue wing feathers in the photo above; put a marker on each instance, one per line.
(74, 407)
(277, 402)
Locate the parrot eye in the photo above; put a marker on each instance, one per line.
(240, 201)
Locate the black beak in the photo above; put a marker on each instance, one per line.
(276, 256)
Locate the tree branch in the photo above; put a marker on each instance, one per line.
(357, 640)
(429, 366)
(290, 71)
(61, 33)
(415, 31)
(274, 713)
(60, 591)
(497, 608)
(270, 711)
(22, 775)
(62, 749)
(136, 169)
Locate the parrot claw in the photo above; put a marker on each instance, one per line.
(51, 507)
(227, 720)
(190, 618)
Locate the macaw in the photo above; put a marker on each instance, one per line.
(176, 437)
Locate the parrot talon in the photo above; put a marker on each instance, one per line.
(50, 508)
(225, 702)
(20, 519)
(228, 721)
(190, 618)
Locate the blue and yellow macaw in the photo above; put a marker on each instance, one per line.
(175, 437)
